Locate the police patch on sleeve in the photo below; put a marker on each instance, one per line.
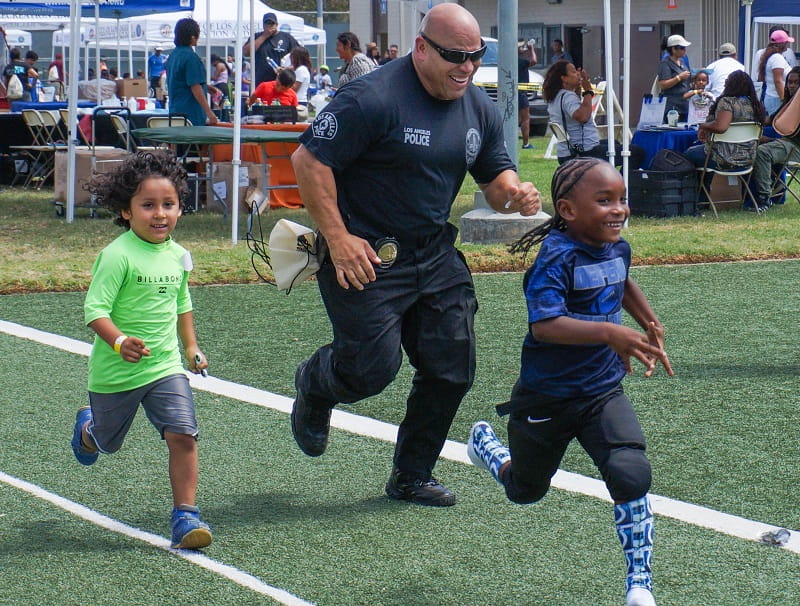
(472, 146)
(325, 126)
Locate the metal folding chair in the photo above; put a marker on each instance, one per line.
(39, 155)
(783, 178)
(738, 132)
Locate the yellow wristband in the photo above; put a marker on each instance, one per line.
(118, 343)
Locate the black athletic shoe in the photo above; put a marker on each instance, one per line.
(310, 426)
(422, 492)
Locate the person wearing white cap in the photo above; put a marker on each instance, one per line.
(772, 69)
(720, 69)
(674, 78)
(156, 67)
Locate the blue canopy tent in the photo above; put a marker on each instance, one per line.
(75, 9)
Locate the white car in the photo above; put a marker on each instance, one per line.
(486, 78)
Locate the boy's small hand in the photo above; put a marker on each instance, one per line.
(132, 349)
(199, 363)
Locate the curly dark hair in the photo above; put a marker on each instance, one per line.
(567, 176)
(739, 84)
(114, 190)
(552, 80)
(185, 29)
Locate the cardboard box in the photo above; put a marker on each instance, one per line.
(105, 159)
(220, 186)
(726, 192)
(132, 87)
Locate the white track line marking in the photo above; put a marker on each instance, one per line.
(195, 557)
(455, 451)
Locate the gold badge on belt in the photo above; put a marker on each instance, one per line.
(387, 250)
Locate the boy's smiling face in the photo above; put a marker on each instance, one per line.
(154, 210)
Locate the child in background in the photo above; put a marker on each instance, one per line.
(574, 358)
(138, 304)
(279, 89)
(699, 95)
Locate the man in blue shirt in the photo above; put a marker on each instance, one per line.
(156, 67)
(186, 76)
(378, 171)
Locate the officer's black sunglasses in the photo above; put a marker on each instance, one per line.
(456, 56)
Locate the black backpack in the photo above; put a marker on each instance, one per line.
(668, 160)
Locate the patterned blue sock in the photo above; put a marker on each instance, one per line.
(634, 521)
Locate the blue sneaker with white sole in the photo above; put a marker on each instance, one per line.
(188, 530)
(485, 449)
(85, 457)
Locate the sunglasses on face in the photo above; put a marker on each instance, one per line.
(456, 56)
(681, 47)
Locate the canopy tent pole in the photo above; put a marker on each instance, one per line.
(609, 92)
(626, 88)
(72, 104)
(237, 126)
(131, 71)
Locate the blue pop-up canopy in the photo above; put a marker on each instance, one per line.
(112, 9)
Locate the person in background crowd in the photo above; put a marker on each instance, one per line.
(737, 103)
(271, 47)
(771, 156)
(560, 89)
(32, 74)
(378, 171)
(156, 67)
(323, 78)
(525, 60)
(665, 54)
(301, 64)
(674, 78)
(392, 53)
(56, 68)
(772, 69)
(186, 76)
(355, 62)
(788, 54)
(699, 92)
(719, 70)
(559, 54)
(280, 90)
(19, 68)
(373, 53)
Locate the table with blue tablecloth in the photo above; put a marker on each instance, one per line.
(678, 139)
(18, 106)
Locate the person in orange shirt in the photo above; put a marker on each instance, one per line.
(280, 89)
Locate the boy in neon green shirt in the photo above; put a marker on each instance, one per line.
(138, 304)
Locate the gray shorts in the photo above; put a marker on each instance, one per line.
(167, 402)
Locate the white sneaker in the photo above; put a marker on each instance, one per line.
(639, 596)
(485, 450)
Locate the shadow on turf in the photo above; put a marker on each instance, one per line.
(292, 507)
(51, 536)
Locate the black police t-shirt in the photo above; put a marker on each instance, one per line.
(399, 155)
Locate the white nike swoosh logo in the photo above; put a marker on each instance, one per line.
(532, 420)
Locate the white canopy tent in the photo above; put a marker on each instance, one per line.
(18, 37)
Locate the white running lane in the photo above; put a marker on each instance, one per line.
(704, 517)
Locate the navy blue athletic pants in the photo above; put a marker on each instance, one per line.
(540, 429)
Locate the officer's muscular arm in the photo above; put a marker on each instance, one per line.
(353, 257)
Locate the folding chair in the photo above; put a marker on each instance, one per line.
(122, 125)
(783, 178)
(738, 132)
(38, 154)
